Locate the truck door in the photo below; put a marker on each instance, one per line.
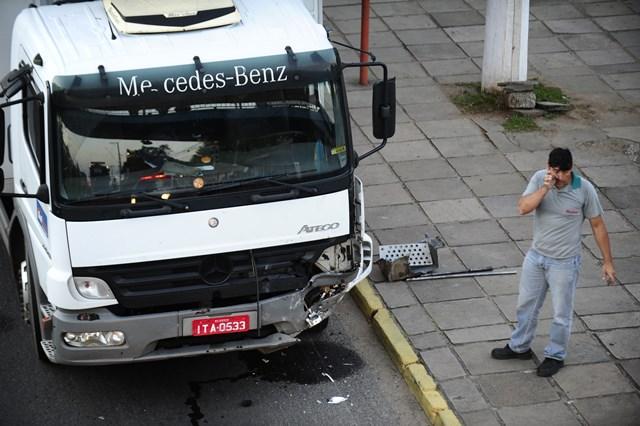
(29, 154)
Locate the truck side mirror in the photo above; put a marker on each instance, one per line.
(384, 108)
(42, 194)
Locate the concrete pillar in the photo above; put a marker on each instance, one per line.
(505, 42)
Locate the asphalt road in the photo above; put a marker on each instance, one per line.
(287, 387)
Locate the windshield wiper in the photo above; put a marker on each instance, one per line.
(269, 179)
(167, 207)
(128, 197)
(299, 186)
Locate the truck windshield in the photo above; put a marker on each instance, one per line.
(187, 148)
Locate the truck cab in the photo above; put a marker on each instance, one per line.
(183, 180)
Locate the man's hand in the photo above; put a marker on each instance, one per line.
(549, 178)
(608, 273)
(528, 203)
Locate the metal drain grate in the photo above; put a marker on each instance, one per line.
(418, 253)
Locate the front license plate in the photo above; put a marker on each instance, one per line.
(220, 325)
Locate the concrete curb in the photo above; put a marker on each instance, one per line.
(423, 387)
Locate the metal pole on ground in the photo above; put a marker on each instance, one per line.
(505, 43)
(364, 42)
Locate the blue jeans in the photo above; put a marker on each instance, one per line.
(540, 273)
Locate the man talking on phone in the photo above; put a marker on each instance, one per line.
(561, 200)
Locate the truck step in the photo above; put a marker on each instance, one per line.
(49, 349)
(47, 310)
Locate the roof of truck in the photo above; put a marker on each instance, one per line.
(76, 38)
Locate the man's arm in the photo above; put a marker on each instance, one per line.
(602, 239)
(530, 202)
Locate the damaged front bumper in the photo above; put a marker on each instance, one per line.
(288, 314)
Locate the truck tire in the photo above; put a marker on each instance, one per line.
(33, 314)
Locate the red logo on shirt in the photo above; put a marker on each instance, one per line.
(572, 211)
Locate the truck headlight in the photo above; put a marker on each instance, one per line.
(94, 339)
(93, 288)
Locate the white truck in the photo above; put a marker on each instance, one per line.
(182, 177)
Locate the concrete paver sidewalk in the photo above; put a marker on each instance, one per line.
(459, 176)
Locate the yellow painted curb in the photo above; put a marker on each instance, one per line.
(446, 418)
(392, 338)
(433, 403)
(418, 379)
(366, 299)
(420, 383)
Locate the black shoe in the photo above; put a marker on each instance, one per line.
(507, 353)
(549, 367)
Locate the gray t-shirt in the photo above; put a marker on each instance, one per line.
(558, 219)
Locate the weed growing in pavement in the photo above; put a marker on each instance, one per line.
(549, 94)
(471, 99)
(520, 123)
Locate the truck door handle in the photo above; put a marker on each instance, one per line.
(258, 198)
(23, 186)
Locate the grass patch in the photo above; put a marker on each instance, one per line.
(549, 94)
(471, 99)
(520, 123)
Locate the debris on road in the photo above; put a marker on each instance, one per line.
(483, 272)
(337, 399)
(328, 377)
(417, 262)
(400, 261)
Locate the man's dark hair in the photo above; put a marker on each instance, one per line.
(561, 158)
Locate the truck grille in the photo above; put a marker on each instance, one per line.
(209, 281)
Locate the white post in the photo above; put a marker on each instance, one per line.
(505, 42)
